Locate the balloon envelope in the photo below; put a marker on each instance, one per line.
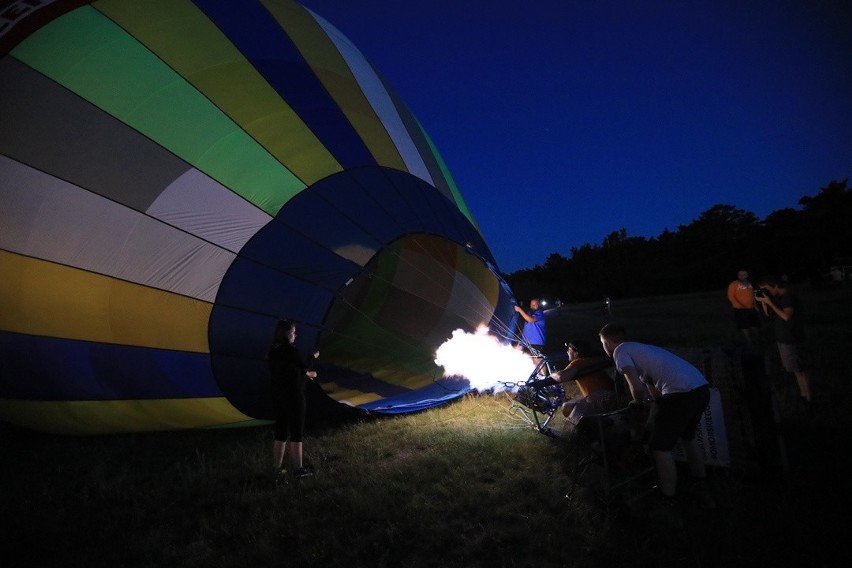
(176, 176)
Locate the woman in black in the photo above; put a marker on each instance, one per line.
(288, 370)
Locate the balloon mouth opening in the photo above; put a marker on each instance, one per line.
(386, 323)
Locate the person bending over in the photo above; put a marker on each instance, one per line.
(681, 394)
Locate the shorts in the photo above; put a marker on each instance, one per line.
(290, 419)
(792, 357)
(745, 318)
(677, 417)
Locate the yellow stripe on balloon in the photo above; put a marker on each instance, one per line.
(46, 299)
(331, 69)
(89, 417)
(349, 396)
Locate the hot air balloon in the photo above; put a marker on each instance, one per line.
(176, 176)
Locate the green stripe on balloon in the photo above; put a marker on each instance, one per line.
(95, 58)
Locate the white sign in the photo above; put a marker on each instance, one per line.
(711, 435)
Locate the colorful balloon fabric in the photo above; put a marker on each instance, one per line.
(176, 176)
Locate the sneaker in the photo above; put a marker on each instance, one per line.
(303, 472)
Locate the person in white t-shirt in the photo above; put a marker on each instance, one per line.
(681, 394)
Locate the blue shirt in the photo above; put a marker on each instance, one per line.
(534, 331)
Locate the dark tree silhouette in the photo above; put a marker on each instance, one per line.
(826, 223)
(702, 255)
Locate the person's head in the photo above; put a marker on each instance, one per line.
(775, 286)
(612, 335)
(577, 348)
(285, 331)
(534, 304)
(742, 275)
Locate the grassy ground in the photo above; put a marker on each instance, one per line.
(467, 484)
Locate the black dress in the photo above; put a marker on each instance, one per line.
(287, 370)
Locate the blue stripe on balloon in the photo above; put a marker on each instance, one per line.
(415, 206)
(262, 289)
(438, 214)
(343, 193)
(47, 368)
(334, 229)
(253, 30)
(288, 246)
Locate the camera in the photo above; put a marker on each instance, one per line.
(759, 292)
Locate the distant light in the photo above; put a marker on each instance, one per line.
(544, 302)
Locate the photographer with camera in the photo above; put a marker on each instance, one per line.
(741, 297)
(783, 307)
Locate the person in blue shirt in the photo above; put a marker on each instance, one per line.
(533, 334)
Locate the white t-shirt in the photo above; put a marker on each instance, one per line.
(667, 372)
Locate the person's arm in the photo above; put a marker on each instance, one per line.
(591, 365)
(302, 365)
(761, 301)
(638, 389)
(312, 361)
(524, 314)
(311, 372)
(783, 313)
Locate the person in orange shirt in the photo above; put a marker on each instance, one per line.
(741, 296)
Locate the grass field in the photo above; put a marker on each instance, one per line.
(467, 484)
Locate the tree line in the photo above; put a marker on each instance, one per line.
(800, 244)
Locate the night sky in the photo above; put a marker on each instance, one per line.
(565, 120)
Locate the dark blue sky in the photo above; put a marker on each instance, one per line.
(564, 120)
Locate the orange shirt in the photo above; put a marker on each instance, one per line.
(741, 295)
